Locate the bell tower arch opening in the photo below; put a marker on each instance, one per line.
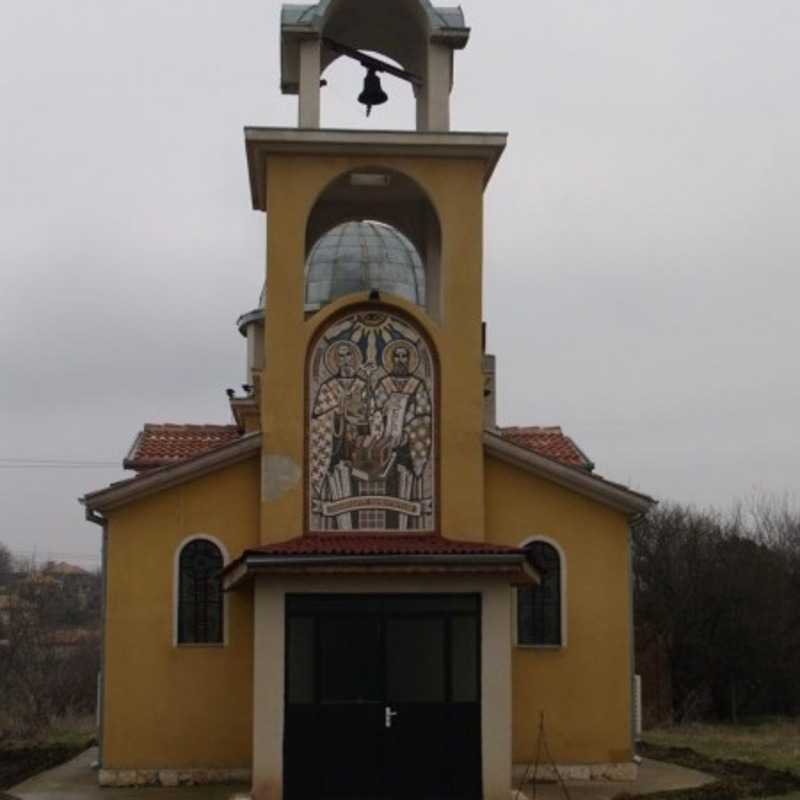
(394, 104)
(373, 228)
(413, 33)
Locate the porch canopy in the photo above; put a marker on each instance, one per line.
(401, 554)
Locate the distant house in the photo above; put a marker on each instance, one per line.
(61, 569)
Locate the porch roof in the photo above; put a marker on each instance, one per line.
(384, 554)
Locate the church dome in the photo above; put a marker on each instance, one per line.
(360, 256)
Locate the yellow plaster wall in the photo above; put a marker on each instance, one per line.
(584, 687)
(455, 188)
(166, 705)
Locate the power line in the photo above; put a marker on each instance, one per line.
(55, 463)
(55, 466)
(43, 556)
(38, 551)
(37, 460)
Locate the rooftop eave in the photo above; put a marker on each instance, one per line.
(516, 569)
(578, 480)
(156, 480)
(260, 143)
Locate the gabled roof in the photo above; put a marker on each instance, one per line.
(550, 442)
(578, 480)
(209, 456)
(157, 445)
(172, 474)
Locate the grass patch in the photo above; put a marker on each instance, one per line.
(736, 779)
(66, 738)
(767, 742)
(71, 731)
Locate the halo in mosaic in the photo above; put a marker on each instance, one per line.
(360, 256)
(371, 417)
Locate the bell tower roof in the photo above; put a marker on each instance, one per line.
(445, 25)
(413, 33)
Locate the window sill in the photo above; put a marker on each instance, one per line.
(540, 646)
(199, 645)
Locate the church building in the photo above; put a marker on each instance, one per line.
(363, 587)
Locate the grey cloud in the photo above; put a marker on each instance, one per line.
(641, 230)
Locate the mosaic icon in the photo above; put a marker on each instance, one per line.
(371, 426)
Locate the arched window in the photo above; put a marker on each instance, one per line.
(200, 617)
(539, 607)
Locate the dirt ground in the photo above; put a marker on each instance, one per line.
(736, 779)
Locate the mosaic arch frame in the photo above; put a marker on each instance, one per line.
(372, 425)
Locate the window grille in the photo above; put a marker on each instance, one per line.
(539, 607)
(200, 593)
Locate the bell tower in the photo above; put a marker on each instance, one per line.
(370, 376)
(412, 33)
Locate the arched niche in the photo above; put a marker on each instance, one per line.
(372, 423)
(384, 196)
(339, 105)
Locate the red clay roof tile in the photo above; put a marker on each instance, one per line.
(159, 445)
(379, 544)
(334, 552)
(549, 442)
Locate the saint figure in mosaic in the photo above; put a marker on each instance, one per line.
(371, 418)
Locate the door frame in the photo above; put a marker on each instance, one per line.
(444, 606)
(267, 666)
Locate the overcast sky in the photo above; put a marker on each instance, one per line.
(642, 235)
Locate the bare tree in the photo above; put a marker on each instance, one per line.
(50, 657)
(6, 565)
(719, 596)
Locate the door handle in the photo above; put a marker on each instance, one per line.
(388, 713)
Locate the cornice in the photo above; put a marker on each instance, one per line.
(260, 143)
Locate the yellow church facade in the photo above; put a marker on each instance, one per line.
(363, 587)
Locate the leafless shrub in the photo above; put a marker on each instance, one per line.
(49, 657)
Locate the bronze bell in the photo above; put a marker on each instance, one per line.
(373, 94)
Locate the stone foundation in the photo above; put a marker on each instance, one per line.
(619, 771)
(171, 777)
(624, 771)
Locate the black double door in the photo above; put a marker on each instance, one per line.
(382, 697)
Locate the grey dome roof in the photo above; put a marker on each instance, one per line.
(359, 256)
